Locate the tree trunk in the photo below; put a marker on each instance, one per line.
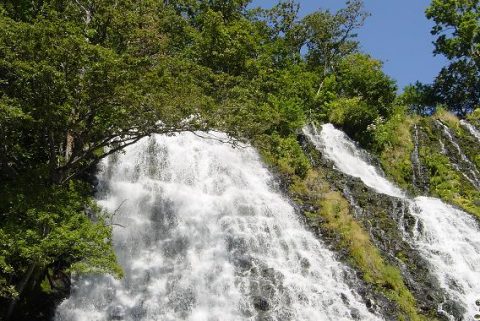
(20, 289)
(68, 147)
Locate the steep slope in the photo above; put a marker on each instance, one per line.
(437, 232)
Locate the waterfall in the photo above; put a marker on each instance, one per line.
(418, 176)
(450, 241)
(472, 130)
(203, 235)
(465, 166)
(447, 237)
(350, 159)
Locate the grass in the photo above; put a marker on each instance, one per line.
(394, 145)
(449, 184)
(474, 118)
(336, 218)
(447, 118)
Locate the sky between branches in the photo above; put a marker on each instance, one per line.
(397, 33)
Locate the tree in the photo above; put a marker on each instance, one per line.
(419, 98)
(360, 75)
(357, 94)
(79, 80)
(330, 37)
(80, 98)
(457, 28)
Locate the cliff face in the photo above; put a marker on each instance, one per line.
(449, 158)
(379, 234)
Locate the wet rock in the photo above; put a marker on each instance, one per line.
(264, 317)
(355, 314)
(117, 312)
(261, 303)
(138, 312)
(454, 309)
(344, 298)
(244, 262)
(309, 208)
(305, 263)
(370, 304)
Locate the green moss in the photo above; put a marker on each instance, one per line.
(467, 142)
(474, 117)
(394, 145)
(284, 153)
(336, 218)
(447, 183)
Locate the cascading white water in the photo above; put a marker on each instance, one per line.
(472, 174)
(350, 159)
(473, 131)
(450, 241)
(207, 237)
(448, 238)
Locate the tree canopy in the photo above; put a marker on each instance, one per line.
(457, 31)
(80, 80)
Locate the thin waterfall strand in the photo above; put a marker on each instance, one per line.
(472, 130)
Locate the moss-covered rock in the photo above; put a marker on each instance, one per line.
(363, 226)
(445, 167)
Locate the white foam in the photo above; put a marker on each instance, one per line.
(206, 237)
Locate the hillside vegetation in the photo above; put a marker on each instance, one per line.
(81, 80)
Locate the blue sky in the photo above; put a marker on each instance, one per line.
(397, 33)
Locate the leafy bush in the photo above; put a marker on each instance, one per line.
(393, 143)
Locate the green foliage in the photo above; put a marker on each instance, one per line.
(356, 95)
(394, 144)
(285, 154)
(361, 76)
(458, 86)
(419, 98)
(353, 115)
(226, 47)
(330, 37)
(474, 117)
(84, 96)
(57, 235)
(457, 28)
